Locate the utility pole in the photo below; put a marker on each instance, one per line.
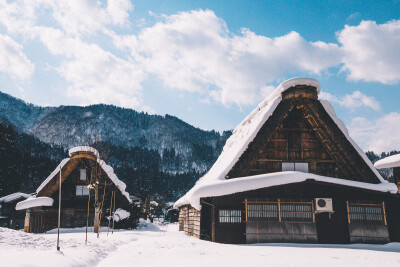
(59, 213)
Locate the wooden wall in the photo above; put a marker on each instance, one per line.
(329, 230)
(189, 221)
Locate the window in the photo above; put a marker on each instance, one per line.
(358, 212)
(295, 166)
(281, 211)
(83, 174)
(267, 212)
(82, 190)
(230, 216)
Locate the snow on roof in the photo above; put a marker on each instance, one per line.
(106, 168)
(34, 202)
(243, 135)
(14, 196)
(231, 186)
(118, 183)
(83, 149)
(388, 162)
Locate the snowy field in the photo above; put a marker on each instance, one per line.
(164, 245)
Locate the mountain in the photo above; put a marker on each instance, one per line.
(154, 155)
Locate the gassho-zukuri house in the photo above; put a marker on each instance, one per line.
(291, 173)
(79, 173)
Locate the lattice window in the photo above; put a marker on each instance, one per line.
(360, 212)
(230, 216)
(268, 211)
(296, 212)
(82, 190)
(279, 211)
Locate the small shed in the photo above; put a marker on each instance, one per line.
(9, 216)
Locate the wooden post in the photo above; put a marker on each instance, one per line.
(96, 209)
(313, 212)
(109, 218)
(245, 207)
(59, 213)
(279, 210)
(112, 232)
(348, 211)
(88, 208)
(384, 212)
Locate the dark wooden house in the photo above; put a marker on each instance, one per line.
(80, 175)
(291, 173)
(9, 217)
(391, 162)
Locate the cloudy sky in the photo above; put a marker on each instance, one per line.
(207, 62)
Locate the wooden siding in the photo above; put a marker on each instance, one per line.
(300, 130)
(330, 229)
(189, 221)
(396, 177)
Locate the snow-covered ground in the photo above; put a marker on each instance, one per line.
(164, 245)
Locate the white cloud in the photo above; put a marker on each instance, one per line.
(371, 51)
(377, 135)
(352, 101)
(13, 61)
(194, 51)
(95, 75)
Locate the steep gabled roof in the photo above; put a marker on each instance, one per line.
(243, 136)
(67, 161)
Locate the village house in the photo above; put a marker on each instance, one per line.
(9, 217)
(89, 187)
(290, 172)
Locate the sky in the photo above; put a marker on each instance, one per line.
(207, 62)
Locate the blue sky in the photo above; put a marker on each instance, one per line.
(207, 62)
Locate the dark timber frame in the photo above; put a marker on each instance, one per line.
(299, 130)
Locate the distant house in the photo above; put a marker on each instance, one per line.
(9, 217)
(77, 180)
(291, 173)
(391, 162)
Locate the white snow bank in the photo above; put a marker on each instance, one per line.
(244, 134)
(121, 214)
(231, 186)
(388, 162)
(83, 149)
(34, 202)
(14, 196)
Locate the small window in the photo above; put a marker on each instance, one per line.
(83, 174)
(230, 216)
(295, 166)
(82, 190)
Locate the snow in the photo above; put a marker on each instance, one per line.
(34, 202)
(14, 196)
(50, 177)
(244, 134)
(388, 162)
(231, 186)
(106, 168)
(118, 183)
(83, 149)
(164, 245)
(121, 214)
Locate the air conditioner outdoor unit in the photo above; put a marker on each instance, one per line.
(323, 205)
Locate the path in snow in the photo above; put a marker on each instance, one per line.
(164, 245)
(168, 247)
